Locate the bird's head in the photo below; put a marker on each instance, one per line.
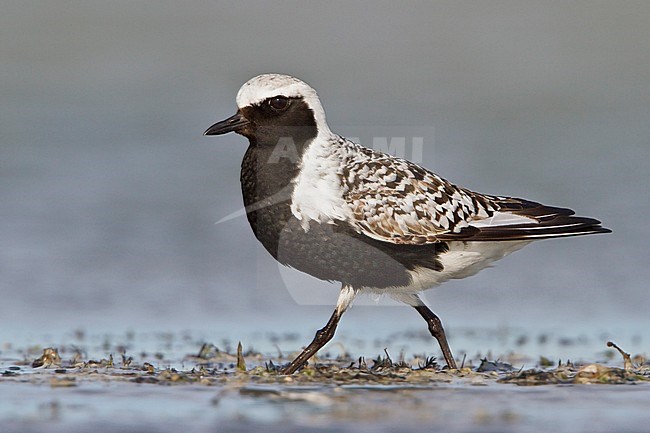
(272, 107)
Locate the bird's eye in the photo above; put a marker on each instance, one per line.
(279, 103)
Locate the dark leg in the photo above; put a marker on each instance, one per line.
(326, 333)
(438, 332)
(322, 337)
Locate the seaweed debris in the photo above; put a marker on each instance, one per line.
(586, 374)
(212, 366)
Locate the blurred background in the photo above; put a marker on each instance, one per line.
(109, 193)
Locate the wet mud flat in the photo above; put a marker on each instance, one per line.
(187, 386)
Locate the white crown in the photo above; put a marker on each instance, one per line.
(265, 86)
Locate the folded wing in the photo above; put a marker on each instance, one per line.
(394, 200)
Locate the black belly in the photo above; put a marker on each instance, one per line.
(335, 252)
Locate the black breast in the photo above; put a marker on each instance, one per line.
(267, 190)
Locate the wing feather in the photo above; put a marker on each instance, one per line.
(396, 201)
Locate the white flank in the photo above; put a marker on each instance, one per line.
(463, 259)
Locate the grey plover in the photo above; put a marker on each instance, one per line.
(339, 211)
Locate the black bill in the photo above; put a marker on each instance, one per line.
(231, 124)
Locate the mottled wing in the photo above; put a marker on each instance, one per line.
(397, 201)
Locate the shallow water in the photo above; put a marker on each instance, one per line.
(127, 397)
(149, 408)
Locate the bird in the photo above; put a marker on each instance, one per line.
(375, 223)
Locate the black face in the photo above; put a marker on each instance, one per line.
(279, 117)
(271, 120)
